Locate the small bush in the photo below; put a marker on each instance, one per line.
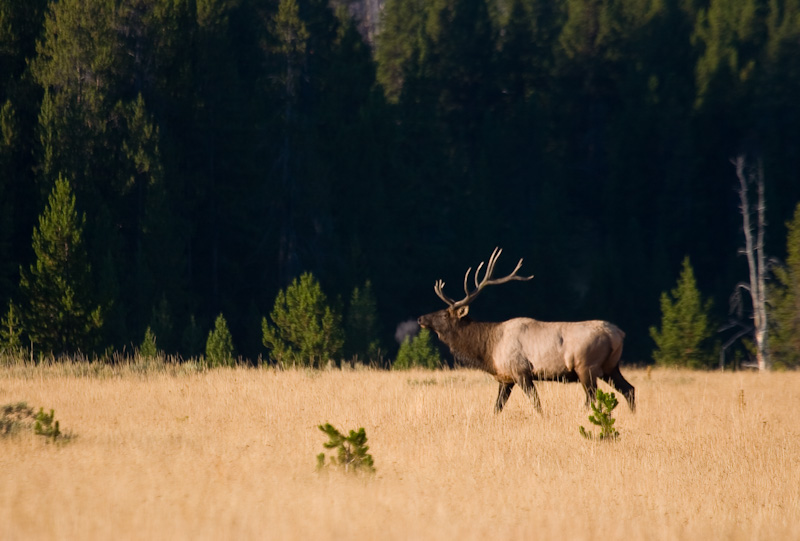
(351, 450)
(14, 418)
(602, 407)
(686, 334)
(148, 347)
(219, 346)
(46, 425)
(19, 417)
(305, 329)
(11, 331)
(418, 351)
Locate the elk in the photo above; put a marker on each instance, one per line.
(523, 350)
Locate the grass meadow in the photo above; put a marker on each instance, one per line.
(230, 454)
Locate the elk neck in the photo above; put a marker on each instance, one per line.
(471, 344)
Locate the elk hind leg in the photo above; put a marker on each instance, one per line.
(589, 383)
(502, 396)
(615, 379)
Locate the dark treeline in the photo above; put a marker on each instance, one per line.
(219, 148)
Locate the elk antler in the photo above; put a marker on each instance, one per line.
(479, 285)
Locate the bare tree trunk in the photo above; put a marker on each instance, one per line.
(756, 259)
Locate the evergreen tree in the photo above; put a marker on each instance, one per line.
(162, 326)
(96, 129)
(192, 338)
(418, 352)
(462, 66)
(784, 302)
(11, 330)
(148, 347)
(686, 331)
(291, 34)
(305, 330)
(219, 346)
(59, 314)
(400, 45)
(731, 34)
(526, 52)
(80, 64)
(361, 325)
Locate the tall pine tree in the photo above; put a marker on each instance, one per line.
(59, 314)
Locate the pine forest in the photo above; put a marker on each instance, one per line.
(164, 163)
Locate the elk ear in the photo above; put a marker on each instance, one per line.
(462, 311)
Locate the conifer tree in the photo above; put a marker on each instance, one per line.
(784, 301)
(418, 352)
(219, 346)
(192, 338)
(59, 314)
(10, 330)
(305, 330)
(148, 347)
(683, 339)
(361, 326)
(400, 44)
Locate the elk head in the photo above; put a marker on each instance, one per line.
(446, 321)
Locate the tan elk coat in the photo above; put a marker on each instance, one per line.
(523, 350)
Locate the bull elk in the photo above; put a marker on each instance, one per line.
(523, 350)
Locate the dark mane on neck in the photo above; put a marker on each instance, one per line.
(471, 345)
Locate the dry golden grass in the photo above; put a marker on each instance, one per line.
(230, 454)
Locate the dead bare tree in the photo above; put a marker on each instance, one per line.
(754, 251)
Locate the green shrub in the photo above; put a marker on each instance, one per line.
(602, 407)
(148, 347)
(219, 346)
(46, 425)
(686, 332)
(351, 451)
(15, 418)
(418, 351)
(11, 331)
(305, 330)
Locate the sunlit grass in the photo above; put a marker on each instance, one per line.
(178, 452)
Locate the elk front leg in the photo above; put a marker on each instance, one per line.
(526, 382)
(502, 396)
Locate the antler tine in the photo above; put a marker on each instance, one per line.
(477, 271)
(487, 275)
(480, 283)
(512, 276)
(437, 287)
(492, 262)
